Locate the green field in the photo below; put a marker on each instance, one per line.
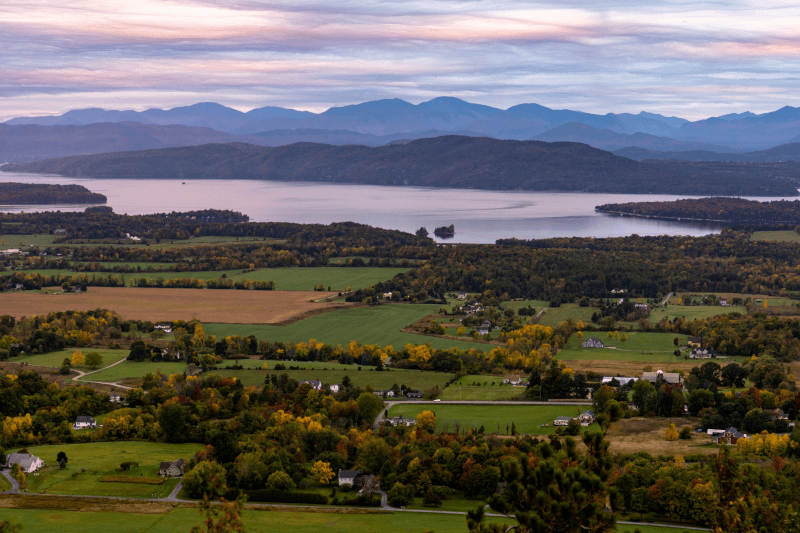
(255, 521)
(775, 236)
(24, 241)
(466, 388)
(133, 369)
(286, 279)
(528, 418)
(651, 347)
(516, 304)
(90, 462)
(415, 379)
(556, 315)
(368, 325)
(54, 359)
(691, 312)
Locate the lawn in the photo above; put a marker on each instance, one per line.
(54, 359)
(691, 312)
(286, 279)
(651, 347)
(536, 304)
(556, 315)
(528, 418)
(90, 462)
(380, 325)
(775, 236)
(415, 379)
(466, 388)
(133, 369)
(24, 241)
(255, 521)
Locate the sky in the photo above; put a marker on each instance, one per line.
(682, 58)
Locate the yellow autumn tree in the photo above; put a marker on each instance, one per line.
(426, 420)
(199, 337)
(77, 358)
(321, 471)
(671, 433)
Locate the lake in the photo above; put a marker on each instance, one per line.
(479, 216)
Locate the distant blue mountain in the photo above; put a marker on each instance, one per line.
(398, 119)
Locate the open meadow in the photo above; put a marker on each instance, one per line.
(556, 315)
(54, 359)
(338, 279)
(633, 435)
(775, 236)
(639, 346)
(481, 388)
(89, 463)
(229, 306)
(25, 241)
(528, 418)
(380, 325)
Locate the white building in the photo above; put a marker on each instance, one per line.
(27, 462)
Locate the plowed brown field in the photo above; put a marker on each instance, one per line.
(156, 305)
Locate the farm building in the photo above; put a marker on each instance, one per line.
(586, 417)
(335, 387)
(694, 341)
(414, 394)
(702, 353)
(348, 477)
(83, 422)
(730, 437)
(171, 468)
(27, 462)
(621, 380)
(593, 342)
(315, 384)
(562, 421)
(513, 379)
(673, 378)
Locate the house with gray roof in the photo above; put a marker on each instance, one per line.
(172, 468)
(673, 378)
(26, 461)
(348, 477)
(83, 422)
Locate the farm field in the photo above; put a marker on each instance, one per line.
(54, 359)
(556, 315)
(255, 521)
(90, 462)
(528, 418)
(286, 279)
(464, 389)
(650, 347)
(692, 312)
(516, 304)
(24, 241)
(415, 379)
(633, 435)
(380, 325)
(775, 236)
(244, 307)
(133, 369)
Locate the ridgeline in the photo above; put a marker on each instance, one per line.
(450, 161)
(47, 194)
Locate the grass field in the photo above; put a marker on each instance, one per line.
(415, 379)
(651, 347)
(368, 325)
(132, 369)
(516, 304)
(463, 389)
(775, 236)
(528, 418)
(556, 315)
(54, 359)
(90, 462)
(691, 312)
(255, 521)
(230, 306)
(24, 241)
(286, 279)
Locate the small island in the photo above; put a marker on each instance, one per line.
(47, 194)
(445, 232)
(716, 209)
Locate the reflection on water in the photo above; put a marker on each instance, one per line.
(479, 216)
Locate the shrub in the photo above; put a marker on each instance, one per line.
(686, 433)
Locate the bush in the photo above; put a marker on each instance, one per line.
(362, 500)
(686, 433)
(280, 481)
(401, 495)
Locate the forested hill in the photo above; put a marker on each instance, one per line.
(47, 194)
(719, 209)
(449, 161)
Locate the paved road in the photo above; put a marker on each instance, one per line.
(664, 303)
(14, 485)
(173, 496)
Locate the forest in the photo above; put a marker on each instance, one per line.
(722, 209)
(47, 194)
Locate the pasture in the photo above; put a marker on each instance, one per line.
(528, 418)
(775, 236)
(286, 279)
(24, 241)
(691, 312)
(380, 325)
(650, 347)
(556, 315)
(87, 463)
(263, 520)
(490, 388)
(243, 307)
(54, 359)
(133, 369)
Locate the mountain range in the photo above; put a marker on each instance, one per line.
(382, 122)
(445, 161)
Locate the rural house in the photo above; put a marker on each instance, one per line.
(512, 379)
(414, 394)
(694, 341)
(593, 342)
(83, 422)
(702, 353)
(730, 437)
(621, 380)
(348, 477)
(27, 462)
(673, 378)
(172, 468)
(562, 421)
(315, 384)
(586, 418)
(335, 387)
